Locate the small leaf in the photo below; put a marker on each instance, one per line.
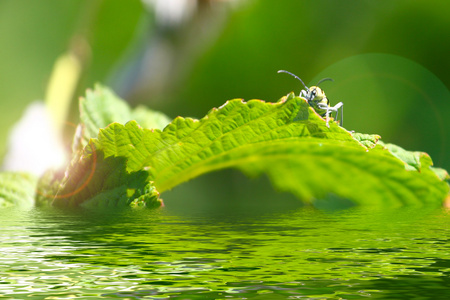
(102, 107)
(415, 160)
(412, 160)
(440, 173)
(368, 140)
(17, 189)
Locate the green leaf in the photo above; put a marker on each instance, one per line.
(102, 107)
(442, 174)
(17, 189)
(91, 180)
(365, 177)
(286, 140)
(99, 182)
(185, 142)
(412, 160)
(368, 140)
(415, 160)
(126, 164)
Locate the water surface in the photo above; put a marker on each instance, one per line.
(297, 253)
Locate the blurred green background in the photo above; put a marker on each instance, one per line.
(388, 58)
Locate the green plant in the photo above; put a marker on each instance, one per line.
(124, 157)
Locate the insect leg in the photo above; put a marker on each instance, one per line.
(336, 108)
(329, 109)
(303, 94)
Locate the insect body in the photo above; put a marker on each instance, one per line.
(318, 100)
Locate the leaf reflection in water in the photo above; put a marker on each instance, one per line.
(296, 253)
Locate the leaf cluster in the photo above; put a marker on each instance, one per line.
(126, 157)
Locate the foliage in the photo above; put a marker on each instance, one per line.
(17, 189)
(102, 107)
(126, 164)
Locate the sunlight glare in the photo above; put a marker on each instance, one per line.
(34, 145)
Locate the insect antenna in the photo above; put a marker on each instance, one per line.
(325, 79)
(284, 71)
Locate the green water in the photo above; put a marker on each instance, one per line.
(296, 253)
